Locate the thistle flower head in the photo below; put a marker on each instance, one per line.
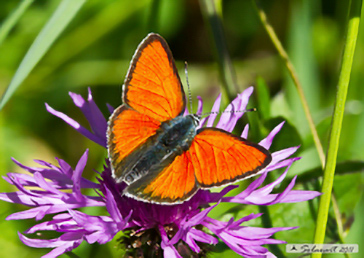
(170, 231)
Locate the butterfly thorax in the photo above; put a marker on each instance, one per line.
(172, 139)
(178, 133)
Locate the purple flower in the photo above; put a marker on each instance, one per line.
(178, 229)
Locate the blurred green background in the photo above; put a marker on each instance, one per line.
(96, 47)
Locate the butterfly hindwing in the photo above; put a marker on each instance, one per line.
(129, 134)
(172, 184)
(215, 158)
(219, 157)
(152, 85)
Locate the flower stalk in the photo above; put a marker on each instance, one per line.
(292, 72)
(355, 7)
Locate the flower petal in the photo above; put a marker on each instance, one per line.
(267, 142)
(214, 111)
(82, 130)
(234, 111)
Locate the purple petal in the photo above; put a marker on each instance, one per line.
(51, 243)
(269, 187)
(282, 154)
(37, 212)
(254, 185)
(92, 113)
(110, 108)
(282, 164)
(168, 249)
(215, 197)
(46, 226)
(200, 105)
(299, 196)
(65, 167)
(82, 130)
(244, 240)
(197, 219)
(99, 229)
(23, 179)
(17, 197)
(246, 218)
(64, 248)
(259, 233)
(202, 123)
(267, 142)
(112, 207)
(29, 169)
(244, 134)
(194, 235)
(214, 111)
(76, 177)
(46, 185)
(229, 118)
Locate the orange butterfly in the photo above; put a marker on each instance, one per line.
(156, 150)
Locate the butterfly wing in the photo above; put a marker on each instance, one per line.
(219, 157)
(152, 85)
(172, 184)
(152, 94)
(129, 134)
(215, 158)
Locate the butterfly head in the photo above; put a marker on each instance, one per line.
(196, 119)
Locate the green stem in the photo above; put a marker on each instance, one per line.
(292, 72)
(227, 74)
(339, 223)
(13, 18)
(329, 171)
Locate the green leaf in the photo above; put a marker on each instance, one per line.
(342, 168)
(302, 56)
(50, 32)
(12, 19)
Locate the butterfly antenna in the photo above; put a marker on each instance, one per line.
(188, 86)
(231, 111)
(210, 113)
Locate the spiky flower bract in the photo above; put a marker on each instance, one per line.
(170, 231)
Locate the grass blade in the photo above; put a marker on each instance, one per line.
(88, 33)
(292, 72)
(54, 27)
(12, 19)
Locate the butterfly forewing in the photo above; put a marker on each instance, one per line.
(129, 134)
(152, 86)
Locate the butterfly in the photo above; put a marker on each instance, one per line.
(157, 151)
